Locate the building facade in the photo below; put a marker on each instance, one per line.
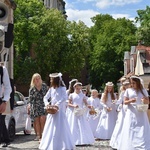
(137, 62)
(56, 4)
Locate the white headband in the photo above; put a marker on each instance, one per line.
(73, 81)
(109, 84)
(54, 75)
(136, 77)
(77, 83)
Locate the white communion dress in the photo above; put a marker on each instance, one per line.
(93, 119)
(135, 133)
(107, 120)
(79, 125)
(119, 123)
(57, 134)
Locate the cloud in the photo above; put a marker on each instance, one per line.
(69, 5)
(115, 16)
(102, 4)
(124, 2)
(86, 1)
(83, 15)
(75, 14)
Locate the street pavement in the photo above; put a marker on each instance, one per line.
(26, 142)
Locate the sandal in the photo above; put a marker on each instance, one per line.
(37, 138)
(39, 141)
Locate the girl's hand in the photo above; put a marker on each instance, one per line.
(109, 109)
(89, 106)
(133, 100)
(145, 100)
(113, 101)
(76, 106)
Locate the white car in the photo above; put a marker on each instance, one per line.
(16, 121)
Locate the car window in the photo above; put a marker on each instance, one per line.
(16, 98)
(21, 97)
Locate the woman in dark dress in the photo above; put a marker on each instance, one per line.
(37, 91)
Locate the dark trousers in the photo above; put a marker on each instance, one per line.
(4, 137)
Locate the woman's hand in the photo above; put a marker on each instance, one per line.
(28, 109)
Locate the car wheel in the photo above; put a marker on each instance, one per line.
(11, 130)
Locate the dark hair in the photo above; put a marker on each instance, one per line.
(71, 89)
(56, 82)
(139, 85)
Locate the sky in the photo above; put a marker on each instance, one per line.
(84, 10)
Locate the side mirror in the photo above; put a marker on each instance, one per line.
(19, 103)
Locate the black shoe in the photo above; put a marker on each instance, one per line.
(5, 144)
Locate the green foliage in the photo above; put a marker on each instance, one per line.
(112, 39)
(27, 16)
(46, 42)
(78, 48)
(143, 19)
(51, 41)
(24, 71)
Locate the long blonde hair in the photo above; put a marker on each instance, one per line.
(105, 97)
(32, 84)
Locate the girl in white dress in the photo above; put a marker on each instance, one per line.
(136, 129)
(108, 116)
(79, 126)
(70, 89)
(121, 114)
(95, 105)
(71, 84)
(56, 134)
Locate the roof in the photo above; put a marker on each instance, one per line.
(126, 76)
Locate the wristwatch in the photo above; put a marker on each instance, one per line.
(3, 101)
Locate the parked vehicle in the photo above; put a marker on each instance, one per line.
(16, 121)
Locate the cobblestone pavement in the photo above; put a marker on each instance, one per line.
(26, 142)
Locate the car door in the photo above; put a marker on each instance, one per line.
(20, 112)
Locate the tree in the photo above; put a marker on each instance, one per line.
(112, 39)
(143, 32)
(46, 42)
(27, 17)
(78, 48)
(64, 44)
